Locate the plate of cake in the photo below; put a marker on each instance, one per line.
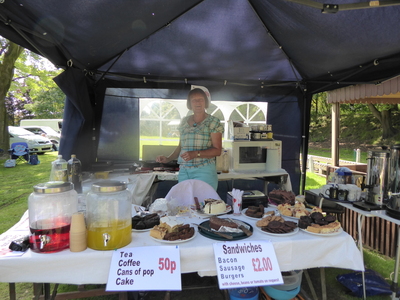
(258, 212)
(318, 224)
(324, 231)
(277, 226)
(214, 207)
(223, 225)
(170, 231)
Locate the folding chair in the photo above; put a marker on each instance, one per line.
(20, 152)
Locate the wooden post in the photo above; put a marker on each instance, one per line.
(335, 133)
(311, 163)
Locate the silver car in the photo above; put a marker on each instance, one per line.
(45, 131)
(36, 143)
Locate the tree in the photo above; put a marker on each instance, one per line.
(384, 115)
(48, 104)
(16, 109)
(24, 77)
(8, 56)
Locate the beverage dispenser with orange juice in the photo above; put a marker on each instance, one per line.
(109, 215)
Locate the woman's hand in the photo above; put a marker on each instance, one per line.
(162, 159)
(186, 156)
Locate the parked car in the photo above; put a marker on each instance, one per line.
(36, 143)
(46, 131)
(56, 124)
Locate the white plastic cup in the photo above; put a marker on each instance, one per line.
(237, 206)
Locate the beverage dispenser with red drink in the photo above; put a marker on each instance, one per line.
(51, 207)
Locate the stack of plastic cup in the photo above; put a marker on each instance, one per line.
(78, 233)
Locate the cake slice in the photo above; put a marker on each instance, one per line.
(330, 228)
(170, 223)
(213, 206)
(216, 223)
(158, 232)
(315, 228)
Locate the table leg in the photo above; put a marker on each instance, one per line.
(360, 220)
(167, 295)
(323, 283)
(11, 291)
(396, 266)
(310, 285)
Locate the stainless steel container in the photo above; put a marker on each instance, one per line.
(393, 205)
(377, 177)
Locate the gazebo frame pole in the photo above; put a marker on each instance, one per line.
(335, 133)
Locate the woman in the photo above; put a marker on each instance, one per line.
(200, 142)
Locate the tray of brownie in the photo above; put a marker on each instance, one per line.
(226, 226)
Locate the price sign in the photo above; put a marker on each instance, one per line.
(145, 269)
(246, 264)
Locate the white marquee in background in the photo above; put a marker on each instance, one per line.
(226, 108)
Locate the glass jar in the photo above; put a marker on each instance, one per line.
(51, 207)
(225, 161)
(109, 215)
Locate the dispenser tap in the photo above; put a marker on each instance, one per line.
(44, 240)
(106, 238)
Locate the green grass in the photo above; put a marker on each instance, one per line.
(17, 183)
(344, 154)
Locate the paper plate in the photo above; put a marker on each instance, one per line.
(177, 241)
(141, 230)
(296, 230)
(324, 234)
(202, 213)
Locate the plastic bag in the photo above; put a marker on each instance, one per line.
(375, 284)
(10, 163)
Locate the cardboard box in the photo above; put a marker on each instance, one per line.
(241, 133)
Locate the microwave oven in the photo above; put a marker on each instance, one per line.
(254, 155)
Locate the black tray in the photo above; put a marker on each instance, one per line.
(235, 235)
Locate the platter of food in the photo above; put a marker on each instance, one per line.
(339, 231)
(319, 224)
(277, 196)
(277, 226)
(294, 212)
(295, 230)
(257, 212)
(179, 241)
(171, 231)
(142, 223)
(212, 227)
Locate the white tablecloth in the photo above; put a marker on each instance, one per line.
(299, 251)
